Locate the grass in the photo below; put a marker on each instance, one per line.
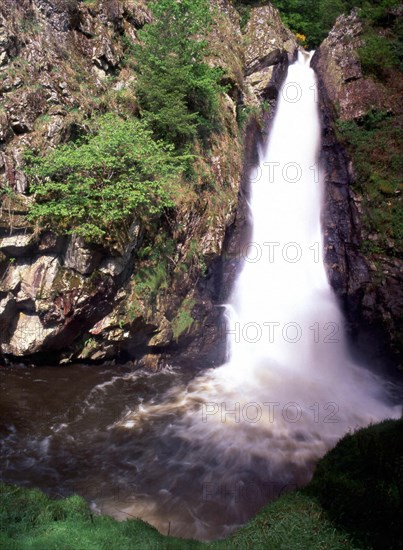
(31, 520)
(294, 521)
(354, 502)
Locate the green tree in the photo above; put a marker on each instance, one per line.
(177, 90)
(94, 187)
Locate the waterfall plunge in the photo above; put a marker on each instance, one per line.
(289, 390)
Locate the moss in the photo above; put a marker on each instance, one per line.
(13, 210)
(377, 55)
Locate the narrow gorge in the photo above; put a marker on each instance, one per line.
(200, 231)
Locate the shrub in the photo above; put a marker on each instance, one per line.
(315, 18)
(96, 185)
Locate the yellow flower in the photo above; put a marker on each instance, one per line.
(300, 37)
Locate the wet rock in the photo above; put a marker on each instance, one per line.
(6, 132)
(8, 40)
(76, 301)
(37, 279)
(260, 80)
(50, 243)
(164, 335)
(152, 362)
(57, 110)
(55, 130)
(105, 57)
(8, 311)
(20, 126)
(115, 266)
(63, 15)
(267, 38)
(31, 282)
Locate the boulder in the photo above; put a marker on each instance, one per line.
(17, 245)
(270, 47)
(79, 257)
(29, 336)
(338, 65)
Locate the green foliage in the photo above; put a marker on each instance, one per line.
(244, 12)
(151, 281)
(177, 90)
(194, 261)
(303, 17)
(30, 520)
(377, 55)
(7, 191)
(247, 112)
(373, 142)
(95, 186)
(360, 484)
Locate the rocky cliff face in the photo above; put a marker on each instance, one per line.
(62, 299)
(366, 278)
(269, 47)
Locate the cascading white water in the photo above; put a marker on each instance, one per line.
(289, 390)
(283, 289)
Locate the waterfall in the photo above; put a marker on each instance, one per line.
(289, 389)
(283, 289)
